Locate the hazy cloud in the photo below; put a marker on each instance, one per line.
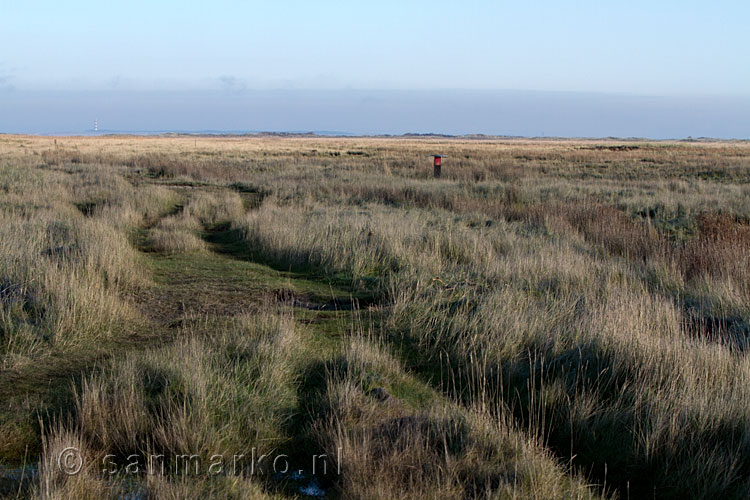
(370, 99)
(375, 112)
(232, 83)
(5, 77)
(118, 82)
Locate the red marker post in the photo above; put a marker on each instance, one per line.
(437, 164)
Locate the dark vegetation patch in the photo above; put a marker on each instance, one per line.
(252, 195)
(88, 208)
(614, 148)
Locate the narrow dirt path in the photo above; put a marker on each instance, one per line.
(201, 287)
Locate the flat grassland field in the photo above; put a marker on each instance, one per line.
(549, 319)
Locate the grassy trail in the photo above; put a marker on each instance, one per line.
(201, 290)
(326, 309)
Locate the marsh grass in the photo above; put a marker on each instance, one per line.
(436, 451)
(211, 208)
(176, 234)
(593, 362)
(227, 395)
(66, 262)
(547, 316)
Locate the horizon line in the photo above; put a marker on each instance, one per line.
(321, 134)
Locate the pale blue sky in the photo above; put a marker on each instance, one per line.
(680, 50)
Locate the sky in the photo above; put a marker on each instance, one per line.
(589, 68)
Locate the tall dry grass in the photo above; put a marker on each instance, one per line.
(584, 305)
(213, 207)
(391, 450)
(595, 363)
(176, 233)
(63, 274)
(230, 394)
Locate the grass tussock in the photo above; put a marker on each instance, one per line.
(211, 208)
(62, 284)
(66, 264)
(176, 234)
(391, 450)
(222, 396)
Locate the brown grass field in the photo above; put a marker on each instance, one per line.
(550, 319)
